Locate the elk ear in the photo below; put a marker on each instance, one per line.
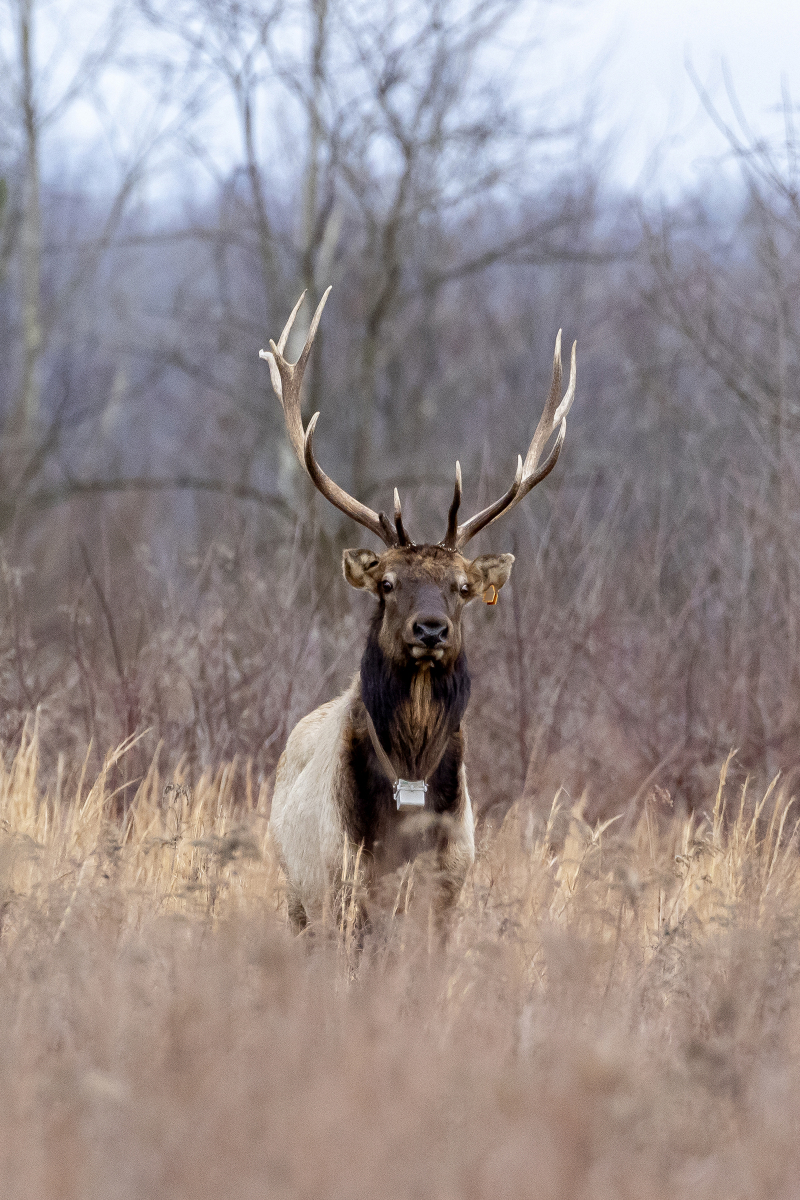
(490, 570)
(359, 567)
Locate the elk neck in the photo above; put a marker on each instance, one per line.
(415, 708)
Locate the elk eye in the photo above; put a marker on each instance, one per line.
(464, 589)
(387, 586)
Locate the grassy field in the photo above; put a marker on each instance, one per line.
(617, 1012)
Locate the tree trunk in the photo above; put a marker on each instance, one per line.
(28, 414)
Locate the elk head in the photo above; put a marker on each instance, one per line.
(422, 589)
(421, 592)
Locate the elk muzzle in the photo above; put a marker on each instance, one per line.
(428, 634)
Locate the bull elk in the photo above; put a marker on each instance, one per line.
(382, 766)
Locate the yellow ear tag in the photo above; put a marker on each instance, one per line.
(491, 588)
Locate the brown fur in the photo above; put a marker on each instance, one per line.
(331, 790)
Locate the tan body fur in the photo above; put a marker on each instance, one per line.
(309, 824)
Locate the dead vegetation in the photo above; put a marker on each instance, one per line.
(616, 1012)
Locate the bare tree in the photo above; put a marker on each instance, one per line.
(379, 147)
(34, 104)
(49, 267)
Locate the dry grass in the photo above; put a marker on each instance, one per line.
(616, 1013)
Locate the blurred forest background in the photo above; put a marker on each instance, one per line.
(165, 566)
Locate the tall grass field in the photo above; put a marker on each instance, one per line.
(616, 1012)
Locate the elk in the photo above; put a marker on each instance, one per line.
(381, 768)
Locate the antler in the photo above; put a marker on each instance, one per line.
(528, 473)
(287, 379)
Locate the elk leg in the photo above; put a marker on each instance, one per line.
(454, 860)
(351, 892)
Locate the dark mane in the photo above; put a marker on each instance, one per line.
(386, 692)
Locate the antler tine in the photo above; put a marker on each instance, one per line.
(554, 412)
(274, 373)
(287, 379)
(491, 512)
(312, 332)
(287, 329)
(402, 537)
(533, 473)
(451, 537)
(530, 473)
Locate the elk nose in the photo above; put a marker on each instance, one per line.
(430, 631)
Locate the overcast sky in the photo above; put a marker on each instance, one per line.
(647, 91)
(636, 51)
